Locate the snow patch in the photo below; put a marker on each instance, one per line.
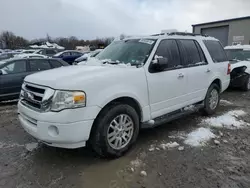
(136, 163)
(199, 137)
(225, 102)
(228, 120)
(31, 146)
(189, 108)
(169, 145)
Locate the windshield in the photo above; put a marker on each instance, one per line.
(238, 54)
(133, 51)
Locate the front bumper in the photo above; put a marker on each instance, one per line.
(63, 129)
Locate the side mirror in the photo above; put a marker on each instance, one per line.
(159, 63)
(1, 72)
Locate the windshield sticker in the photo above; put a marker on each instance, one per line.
(146, 41)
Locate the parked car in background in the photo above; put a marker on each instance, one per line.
(69, 55)
(7, 55)
(86, 56)
(33, 55)
(13, 71)
(31, 51)
(135, 83)
(239, 56)
(47, 52)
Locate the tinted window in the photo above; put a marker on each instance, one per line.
(76, 53)
(201, 53)
(15, 67)
(39, 65)
(169, 49)
(55, 63)
(66, 54)
(49, 51)
(190, 53)
(216, 51)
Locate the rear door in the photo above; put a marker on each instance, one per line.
(196, 65)
(67, 56)
(220, 63)
(12, 79)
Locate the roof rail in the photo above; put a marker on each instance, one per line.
(186, 34)
(159, 34)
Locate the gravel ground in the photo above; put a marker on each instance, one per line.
(155, 161)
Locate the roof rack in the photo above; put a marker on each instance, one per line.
(186, 34)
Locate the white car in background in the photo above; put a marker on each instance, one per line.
(239, 56)
(33, 55)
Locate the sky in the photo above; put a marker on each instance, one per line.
(88, 19)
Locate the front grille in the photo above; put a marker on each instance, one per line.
(32, 95)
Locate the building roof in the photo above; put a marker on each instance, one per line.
(221, 21)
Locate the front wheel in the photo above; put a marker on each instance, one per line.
(115, 130)
(212, 99)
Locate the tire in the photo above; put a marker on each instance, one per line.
(210, 109)
(99, 140)
(246, 83)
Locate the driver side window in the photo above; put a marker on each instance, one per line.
(168, 49)
(15, 67)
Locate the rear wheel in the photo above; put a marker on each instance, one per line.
(212, 99)
(115, 131)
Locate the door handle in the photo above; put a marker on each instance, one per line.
(180, 75)
(208, 70)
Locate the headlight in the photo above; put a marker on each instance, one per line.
(68, 99)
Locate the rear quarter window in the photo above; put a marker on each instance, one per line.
(216, 51)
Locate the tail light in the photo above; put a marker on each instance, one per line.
(228, 68)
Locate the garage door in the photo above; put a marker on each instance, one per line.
(220, 33)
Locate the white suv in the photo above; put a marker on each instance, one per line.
(132, 84)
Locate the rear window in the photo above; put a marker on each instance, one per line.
(216, 51)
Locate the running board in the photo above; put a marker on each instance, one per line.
(172, 116)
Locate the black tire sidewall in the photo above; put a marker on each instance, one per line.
(207, 109)
(102, 128)
(246, 81)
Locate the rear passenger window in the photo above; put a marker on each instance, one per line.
(202, 55)
(169, 49)
(55, 63)
(190, 53)
(216, 51)
(39, 65)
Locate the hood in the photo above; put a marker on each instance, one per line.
(241, 64)
(71, 76)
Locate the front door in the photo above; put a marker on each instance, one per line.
(168, 88)
(12, 78)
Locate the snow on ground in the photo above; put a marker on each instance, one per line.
(136, 163)
(199, 137)
(225, 102)
(31, 146)
(228, 120)
(8, 145)
(189, 108)
(169, 145)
